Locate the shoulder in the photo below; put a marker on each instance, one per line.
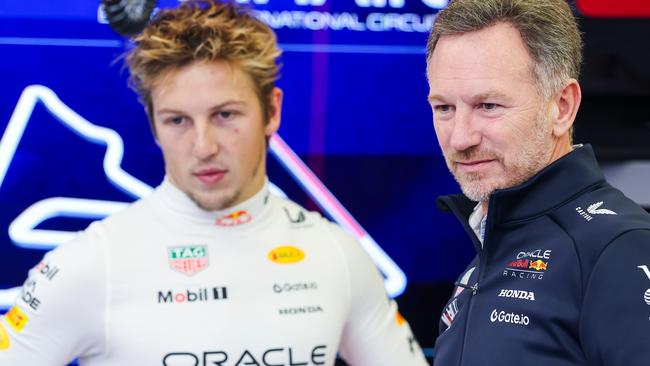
(75, 262)
(596, 218)
(313, 224)
(602, 220)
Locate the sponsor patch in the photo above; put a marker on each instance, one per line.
(539, 265)
(399, 319)
(286, 255)
(529, 265)
(279, 288)
(273, 356)
(295, 218)
(645, 270)
(188, 259)
(517, 294)
(197, 295)
(47, 269)
(4, 338)
(593, 210)
(28, 295)
(511, 318)
(234, 219)
(16, 319)
(646, 294)
(309, 309)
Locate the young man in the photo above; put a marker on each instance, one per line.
(563, 257)
(210, 269)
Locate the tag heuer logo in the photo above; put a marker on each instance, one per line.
(188, 259)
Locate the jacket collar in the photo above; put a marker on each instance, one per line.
(554, 185)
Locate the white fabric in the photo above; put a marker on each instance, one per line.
(112, 297)
(477, 220)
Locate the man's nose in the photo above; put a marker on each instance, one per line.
(206, 142)
(464, 133)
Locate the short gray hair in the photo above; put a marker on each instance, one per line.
(547, 27)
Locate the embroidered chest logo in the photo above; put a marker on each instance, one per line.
(188, 259)
(646, 294)
(529, 265)
(234, 219)
(594, 210)
(517, 294)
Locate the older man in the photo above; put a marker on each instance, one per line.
(561, 276)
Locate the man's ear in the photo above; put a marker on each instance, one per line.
(275, 111)
(567, 102)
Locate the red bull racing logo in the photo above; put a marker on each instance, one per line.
(530, 265)
(539, 265)
(520, 263)
(234, 219)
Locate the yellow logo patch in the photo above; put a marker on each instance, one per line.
(16, 318)
(4, 338)
(399, 319)
(286, 254)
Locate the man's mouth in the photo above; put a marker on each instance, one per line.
(210, 176)
(469, 166)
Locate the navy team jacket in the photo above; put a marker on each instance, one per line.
(563, 277)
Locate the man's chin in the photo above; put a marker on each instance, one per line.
(477, 191)
(212, 202)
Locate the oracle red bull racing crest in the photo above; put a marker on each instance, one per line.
(234, 219)
(188, 259)
(529, 265)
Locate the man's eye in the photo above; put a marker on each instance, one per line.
(176, 120)
(225, 114)
(489, 106)
(442, 108)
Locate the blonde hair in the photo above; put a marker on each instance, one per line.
(547, 27)
(204, 30)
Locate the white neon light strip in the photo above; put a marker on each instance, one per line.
(22, 230)
(71, 119)
(395, 278)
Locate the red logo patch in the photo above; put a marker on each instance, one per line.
(234, 219)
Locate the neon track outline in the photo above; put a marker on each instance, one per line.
(22, 230)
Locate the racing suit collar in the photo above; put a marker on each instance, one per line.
(239, 215)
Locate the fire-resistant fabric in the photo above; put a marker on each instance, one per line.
(165, 283)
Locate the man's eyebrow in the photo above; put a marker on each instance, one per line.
(489, 94)
(213, 108)
(435, 97)
(474, 99)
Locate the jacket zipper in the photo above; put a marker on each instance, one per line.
(480, 248)
(481, 263)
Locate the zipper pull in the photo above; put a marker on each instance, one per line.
(474, 288)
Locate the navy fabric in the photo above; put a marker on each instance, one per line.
(562, 278)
